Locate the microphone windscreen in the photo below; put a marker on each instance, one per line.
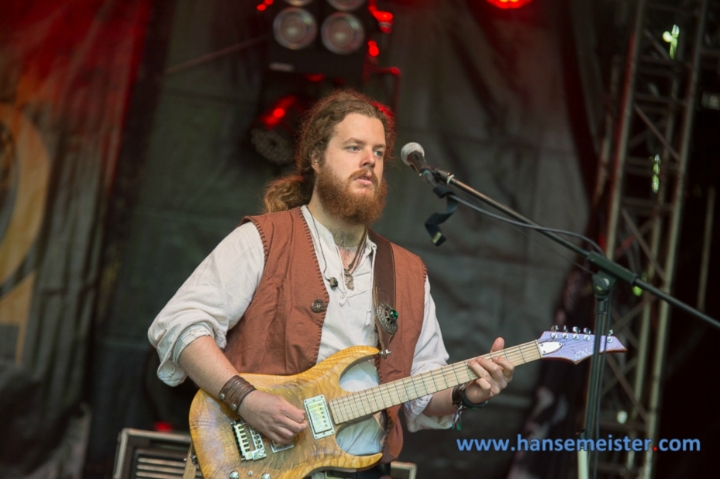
(410, 148)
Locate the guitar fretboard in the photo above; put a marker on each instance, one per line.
(369, 401)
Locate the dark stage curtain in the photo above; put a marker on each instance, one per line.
(66, 70)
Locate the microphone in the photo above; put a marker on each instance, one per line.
(413, 155)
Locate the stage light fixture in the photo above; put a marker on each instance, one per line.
(294, 28)
(326, 37)
(342, 33)
(346, 5)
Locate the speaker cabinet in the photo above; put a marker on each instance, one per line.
(151, 455)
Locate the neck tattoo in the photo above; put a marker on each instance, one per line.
(348, 240)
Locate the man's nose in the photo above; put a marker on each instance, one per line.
(368, 158)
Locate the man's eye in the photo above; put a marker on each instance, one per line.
(353, 148)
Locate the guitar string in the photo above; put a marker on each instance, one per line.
(518, 357)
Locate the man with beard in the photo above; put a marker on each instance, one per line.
(289, 288)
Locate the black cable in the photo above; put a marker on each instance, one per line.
(560, 255)
(525, 225)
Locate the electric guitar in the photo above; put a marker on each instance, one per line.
(228, 448)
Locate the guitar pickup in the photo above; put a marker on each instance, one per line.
(249, 441)
(319, 417)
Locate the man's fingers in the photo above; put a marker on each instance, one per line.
(478, 369)
(498, 345)
(493, 371)
(492, 367)
(282, 436)
(291, 412)
(294, 427)
(486, 386)
(508, 368)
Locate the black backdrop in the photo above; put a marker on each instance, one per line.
(482, 90)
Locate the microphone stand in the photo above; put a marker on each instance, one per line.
(603, 282)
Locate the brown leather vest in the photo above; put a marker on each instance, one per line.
(280, 331)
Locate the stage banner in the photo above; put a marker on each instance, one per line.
(66, 72)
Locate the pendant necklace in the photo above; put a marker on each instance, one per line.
(349, 281)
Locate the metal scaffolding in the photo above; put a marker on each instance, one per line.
(652, 146)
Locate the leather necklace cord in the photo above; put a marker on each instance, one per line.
(354, 263)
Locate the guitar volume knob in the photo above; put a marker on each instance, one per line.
(265, 476)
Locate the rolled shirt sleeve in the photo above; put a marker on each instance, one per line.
(211, 301)
(430, 353)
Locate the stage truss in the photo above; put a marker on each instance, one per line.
(671, 42)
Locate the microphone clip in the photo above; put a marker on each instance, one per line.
(432, 225)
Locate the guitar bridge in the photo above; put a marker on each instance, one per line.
(319, 417)
(249, 441)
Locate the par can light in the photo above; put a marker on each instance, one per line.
(294, 28)
(342, 33)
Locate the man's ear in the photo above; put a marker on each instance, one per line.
(314, 163)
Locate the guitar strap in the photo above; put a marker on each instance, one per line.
(386, 316)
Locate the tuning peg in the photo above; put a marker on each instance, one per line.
(575, 329)
(586, 330)
(610, 333)
(564, 329)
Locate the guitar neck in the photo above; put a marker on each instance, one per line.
(369, 401)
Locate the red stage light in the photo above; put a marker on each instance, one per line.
(162, 426)
(274, 115)
(381, 16)
(373, 49)
(261, 7)
(507, 4)
(384, 19)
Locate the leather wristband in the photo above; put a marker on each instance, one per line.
(234, 392)
(457, 394)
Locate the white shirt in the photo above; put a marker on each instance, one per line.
(216, 295)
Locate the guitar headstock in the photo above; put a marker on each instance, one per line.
(575, 345)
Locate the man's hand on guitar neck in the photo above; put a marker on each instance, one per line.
(273, 416)
(493, 375)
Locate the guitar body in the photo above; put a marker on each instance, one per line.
(216, 444)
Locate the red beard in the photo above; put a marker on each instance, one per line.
(339, 201)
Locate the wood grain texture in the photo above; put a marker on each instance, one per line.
(217, 451)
